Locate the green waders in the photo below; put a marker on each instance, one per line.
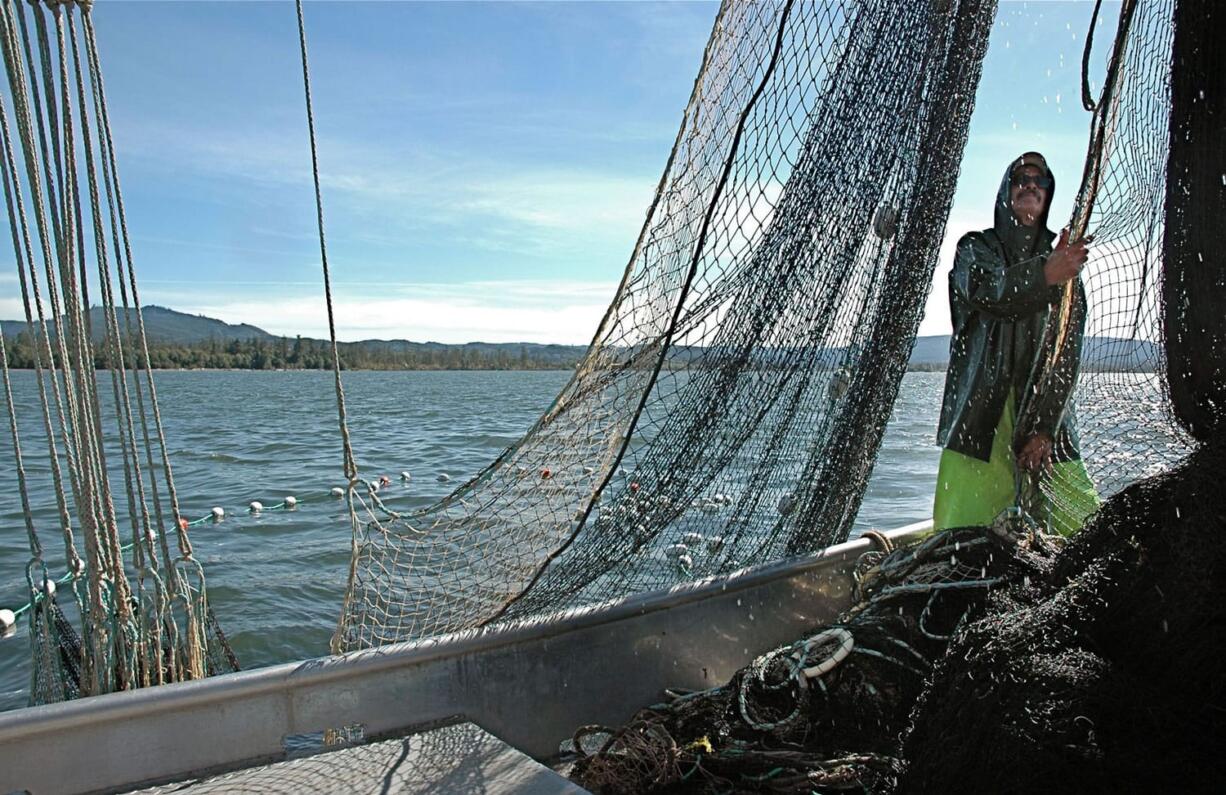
(973, 492)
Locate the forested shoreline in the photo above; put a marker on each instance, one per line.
(301, 353)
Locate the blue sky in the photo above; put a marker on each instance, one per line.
(486, 165)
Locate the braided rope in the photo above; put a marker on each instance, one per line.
(160, 627)
(351, 469)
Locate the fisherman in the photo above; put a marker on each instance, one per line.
(1001, 289)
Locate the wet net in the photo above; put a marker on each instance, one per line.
(733, 399)
(825, 712)
(1094, 666)
(1109, 676)
(129, 612)
(1123, 412)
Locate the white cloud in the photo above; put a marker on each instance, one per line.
(550, 312)
(936, 312)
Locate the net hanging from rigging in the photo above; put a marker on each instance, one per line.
(732, 402)
(1094, 666)
(143, 619)
(1124, 413)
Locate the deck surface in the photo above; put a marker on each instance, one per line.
(462, 758)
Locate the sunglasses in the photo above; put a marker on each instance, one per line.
(1025, 180)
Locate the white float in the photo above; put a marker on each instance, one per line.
(8, 622)
(218, 513)
(443, 477)
(256, 506)
(406, 477)
(676, 550)
(291, 502)
(337, 492)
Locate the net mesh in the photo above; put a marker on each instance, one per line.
(824, 713)
(1123, 410)
(733, 399)
(1091, 667)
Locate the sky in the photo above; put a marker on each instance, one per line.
(486, 166)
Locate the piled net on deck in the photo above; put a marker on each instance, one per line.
(1006, 661)
(732, 403)
(823, 713)
(143, 617)
(1123, 411)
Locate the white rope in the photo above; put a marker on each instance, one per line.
(125, 629)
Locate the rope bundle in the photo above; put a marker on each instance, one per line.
(143, 620)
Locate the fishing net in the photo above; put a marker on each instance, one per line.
(1123, 412)
(141, 618)
(1091, 667)
(1110, 676)
(1105, 676)
(823, 713)
(733, 399)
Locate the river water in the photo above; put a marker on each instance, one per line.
(276, 580)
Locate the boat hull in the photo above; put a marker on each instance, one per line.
(530, 683)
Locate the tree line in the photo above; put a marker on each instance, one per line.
(298, 353)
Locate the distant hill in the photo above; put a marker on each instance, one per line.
(930, 352)
(162, 325)
(1097, 353)
(178, 339)
(563, 356)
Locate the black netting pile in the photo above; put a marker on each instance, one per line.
(734, 397)
(824, 713)
(1110, 675)
(1107, 675)
(982, 660)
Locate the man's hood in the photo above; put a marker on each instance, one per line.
(1021, 242)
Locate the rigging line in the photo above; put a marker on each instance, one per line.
(1101, 129)
(99, 500)
(104, 123)
(132, 472)
(36, 547)
(138, 509)
(1087, 100)
(351, 469)
(18, 220)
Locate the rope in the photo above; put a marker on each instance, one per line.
(1087, 99)
(1102, 126)
(350, 467)
(879, 539)
(25, 258)
(161, 628)
(115, 205)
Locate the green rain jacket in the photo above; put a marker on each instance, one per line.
(999, 303)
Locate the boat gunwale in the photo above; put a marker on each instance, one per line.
(291, 681)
